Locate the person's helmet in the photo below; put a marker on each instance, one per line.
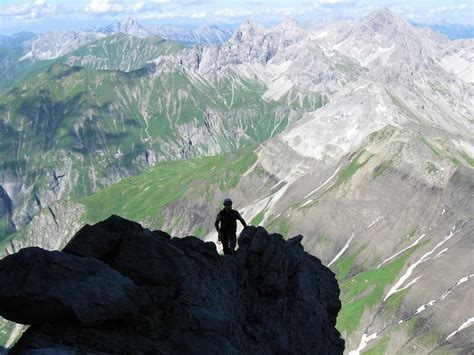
(227, 201)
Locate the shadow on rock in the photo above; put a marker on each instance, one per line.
(117, 287)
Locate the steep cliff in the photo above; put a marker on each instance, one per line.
(118, 287)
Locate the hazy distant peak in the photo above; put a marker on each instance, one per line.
(247, 30)
(132, 28)
(208, 27)
(383, 18)
(383, 12)
(129, 22)
(290, 22)
(251, 26)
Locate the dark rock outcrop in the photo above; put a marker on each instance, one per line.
(117, 287)
(38, 286)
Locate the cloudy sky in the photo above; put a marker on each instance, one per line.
(47, 15)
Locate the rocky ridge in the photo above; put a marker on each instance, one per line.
(117, 287)
(51, 45)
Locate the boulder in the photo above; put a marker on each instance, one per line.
(38, 286)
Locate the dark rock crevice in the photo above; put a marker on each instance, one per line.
(117, 287)
(53, 215)
(6, 205)
(56, 181)
(37, 200)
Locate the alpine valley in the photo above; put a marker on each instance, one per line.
(358, 135)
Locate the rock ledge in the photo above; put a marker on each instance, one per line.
(117, 287)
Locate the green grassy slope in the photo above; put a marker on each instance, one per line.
(10, 66)
(364, 290)
(116, 52)
(121, 52)
(107, 119)
(144, 197)
(99, 126)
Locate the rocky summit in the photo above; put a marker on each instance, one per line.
(117, 287)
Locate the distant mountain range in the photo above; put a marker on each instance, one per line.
(358, 135)
(51, 45)
(452, 31)
(23, 55)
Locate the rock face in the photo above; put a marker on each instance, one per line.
(41, 286)
(117, 287)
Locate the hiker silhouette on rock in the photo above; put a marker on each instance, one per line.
(226, 226)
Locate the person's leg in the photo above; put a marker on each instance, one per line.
(225, 243)
(233, 242)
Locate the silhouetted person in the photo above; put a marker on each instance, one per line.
(226, 226)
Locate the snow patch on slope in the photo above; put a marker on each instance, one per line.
(344, 248)
(401, 251)
(363, 343)
(374, 222)
(460, 282)
(324, 183)
(466, 324)
(396, 288)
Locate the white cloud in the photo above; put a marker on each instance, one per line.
(288, 11)
(139, 6)
(29, 11)
(154, 15)
(197, 14)
(285, 11)
(103, 6)
(333, 1)
(233, 13)
(443, 9)
(161, 15)
(438, 10)
(112, 6)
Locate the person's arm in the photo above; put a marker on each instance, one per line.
(239, 217)
(218, 219)
(218, 229)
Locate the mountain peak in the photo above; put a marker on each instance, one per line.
(132, 28)
(250, 25)
(290, 22)
(127, 24)
(246, 30)
(383, 18)
(129, 21)
(291, 27)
